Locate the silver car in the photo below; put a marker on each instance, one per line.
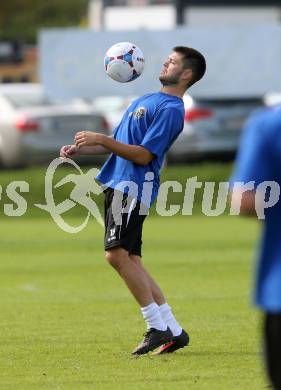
(33, 128)
(212, 127)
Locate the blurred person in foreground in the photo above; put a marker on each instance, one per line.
(138, 147)
(259, 160)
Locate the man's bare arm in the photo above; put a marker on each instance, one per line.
(134, 153)
(72, 151)
(90, 150)
(247, 202)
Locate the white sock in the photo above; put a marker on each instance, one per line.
(169, 319)
(152, 316)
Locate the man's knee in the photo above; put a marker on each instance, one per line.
(112, 257)
(116, 257)
(136, 260)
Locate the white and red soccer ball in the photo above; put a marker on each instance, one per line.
(124, 62)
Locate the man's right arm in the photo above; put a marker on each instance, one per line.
(89, 150)
(71, 151)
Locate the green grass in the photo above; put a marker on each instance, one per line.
(68, 322)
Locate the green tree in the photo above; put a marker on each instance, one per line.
(22, 19)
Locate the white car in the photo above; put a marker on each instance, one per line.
(33, 128)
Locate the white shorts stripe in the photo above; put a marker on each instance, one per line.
(132, 205)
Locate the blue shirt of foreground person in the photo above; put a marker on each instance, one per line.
(259, 160)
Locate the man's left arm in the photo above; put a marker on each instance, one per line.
(135, 153)
(252, 165)
(246, 201)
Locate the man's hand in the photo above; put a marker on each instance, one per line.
(86, 138)
(69, 151)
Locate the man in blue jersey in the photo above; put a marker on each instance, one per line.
(259, 161)
(138, 147)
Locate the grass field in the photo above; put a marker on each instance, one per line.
(68, 322)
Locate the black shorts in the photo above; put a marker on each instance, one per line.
(123, 222)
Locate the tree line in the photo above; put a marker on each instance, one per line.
(22, 19)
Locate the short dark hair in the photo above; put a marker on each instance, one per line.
(194, 60)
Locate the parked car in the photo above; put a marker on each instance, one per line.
(212, 127)
(33, 128)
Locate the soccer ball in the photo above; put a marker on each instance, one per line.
(124, 62)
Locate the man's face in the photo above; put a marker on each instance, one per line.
(172, 69)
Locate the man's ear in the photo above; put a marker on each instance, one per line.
(186, 75)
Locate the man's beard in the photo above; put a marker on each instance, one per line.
(170, 80)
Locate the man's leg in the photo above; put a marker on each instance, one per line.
(181, 338)
(272, 336)
(135, 279)
(156, 291)
(158, 333)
